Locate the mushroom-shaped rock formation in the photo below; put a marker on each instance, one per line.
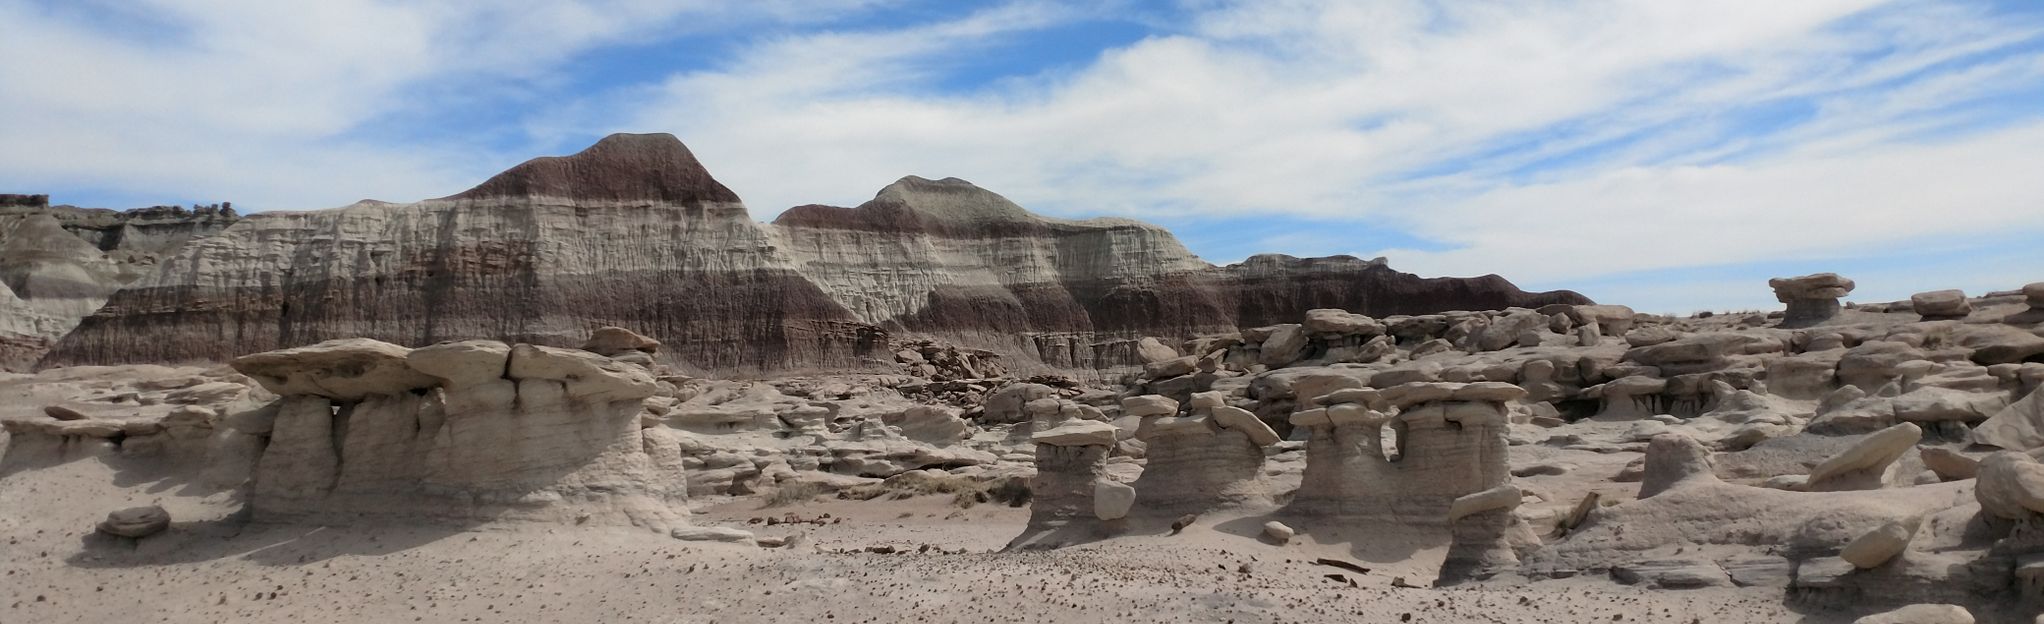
(1067, 504)
(1209, 459)
(1449, 442)
(510, 433)
(1811, 299)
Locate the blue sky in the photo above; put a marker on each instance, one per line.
(1667, 155)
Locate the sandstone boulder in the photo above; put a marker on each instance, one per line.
(1938, 304)
(462, 363)
(1173, 367)
(1674, 459)
(2018, 427)
(347, 369)
(1284, 346)
(1279, 532)
(1151, 350)
(135, 522)
(586, 375)
(1878, 546)
(932, 424)
(1998, 344)
(1921, 614)
(1148, 405)
(1611, 320)
(1342, 322)
(1861, 467)
(1112, 499)
(1006, 404)
(614, 341)
(1243, 420)
(2010, 486)
(1502, 497)
(1950, 465)
(1076, 433)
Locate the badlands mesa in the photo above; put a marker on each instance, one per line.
(593, 388)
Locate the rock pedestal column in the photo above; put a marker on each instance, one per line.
(1446, 441)
(1071, 460)
(1811, 299)
(1210, 459)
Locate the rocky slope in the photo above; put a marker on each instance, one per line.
(1521, 463)
(635, 232)
(59, 264)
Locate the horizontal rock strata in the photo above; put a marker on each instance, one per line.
(634, 232)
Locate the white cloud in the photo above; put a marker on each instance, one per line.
(1550, 141)
(1793, 206)
(1429, 115)
(262, 101)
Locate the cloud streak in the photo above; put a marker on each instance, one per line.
(1559, 142)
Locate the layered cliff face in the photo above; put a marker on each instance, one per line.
(635, 232)
(58, 264)
(630, 232)
(948, 258)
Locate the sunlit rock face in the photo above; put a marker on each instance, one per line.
(634, 232)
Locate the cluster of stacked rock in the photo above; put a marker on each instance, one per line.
(941, 362)
(179, 422)
(461, 432)
(1208, 456)
(1423, 454)
(1336, 337)
(1811, 298)
(1072, 499)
